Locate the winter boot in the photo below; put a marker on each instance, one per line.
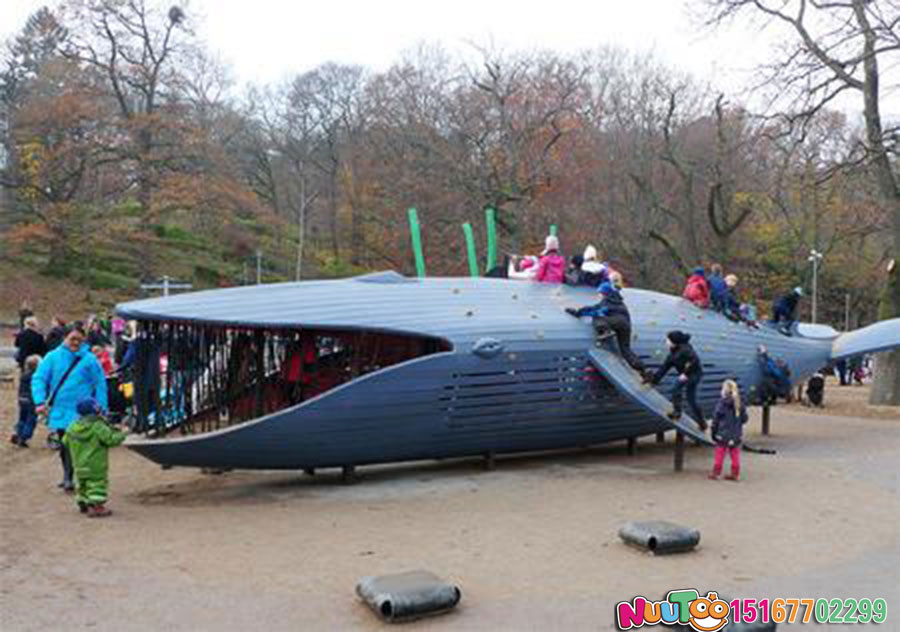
(98, 511)
(82, 507)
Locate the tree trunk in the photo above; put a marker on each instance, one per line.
(886, 385)
(887, 374)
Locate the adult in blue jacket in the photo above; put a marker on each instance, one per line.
(53, 375)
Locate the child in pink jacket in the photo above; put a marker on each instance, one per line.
(552, 266)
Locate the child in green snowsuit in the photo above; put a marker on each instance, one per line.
(89, 439)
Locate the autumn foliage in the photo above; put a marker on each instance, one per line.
(149, 163)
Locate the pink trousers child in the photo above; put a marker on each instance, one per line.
(719, 461)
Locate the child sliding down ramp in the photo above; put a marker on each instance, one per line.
(630, 385)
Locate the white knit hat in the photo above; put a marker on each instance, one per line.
(551, 243)
(590, 253)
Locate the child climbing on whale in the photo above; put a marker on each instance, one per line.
(685, 360)
(611, 318)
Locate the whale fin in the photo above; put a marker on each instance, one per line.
(881, 336)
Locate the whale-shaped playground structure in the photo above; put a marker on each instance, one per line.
(383, 368)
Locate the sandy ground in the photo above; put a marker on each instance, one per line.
(533, 544)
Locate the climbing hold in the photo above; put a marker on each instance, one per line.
(539, 334)
(456, 290)
(470, 312)
(660, 537)
(533, 315)
(407, 596)
(515, 297)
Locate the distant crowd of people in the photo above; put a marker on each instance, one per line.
(70, 377)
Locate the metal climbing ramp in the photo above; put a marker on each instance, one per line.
(629, 384)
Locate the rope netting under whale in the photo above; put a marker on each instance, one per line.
(195, 378)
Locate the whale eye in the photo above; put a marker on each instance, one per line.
(487, 348)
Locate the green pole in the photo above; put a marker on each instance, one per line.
(470, 249)
(416, 242)
(553, 229)
(490, 218)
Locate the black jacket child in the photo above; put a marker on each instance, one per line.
(25, 387)
(682, 358)
(728, 425)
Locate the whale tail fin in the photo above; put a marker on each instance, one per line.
(881, 336)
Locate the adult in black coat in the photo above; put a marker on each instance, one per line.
(29, 341)
(686, 362)
(56, 334)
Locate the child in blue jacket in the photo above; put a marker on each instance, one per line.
(611, 318)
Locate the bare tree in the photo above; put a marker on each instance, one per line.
(135, 46)
(511, 122)
(835, 48)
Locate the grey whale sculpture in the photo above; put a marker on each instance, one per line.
(512, 372)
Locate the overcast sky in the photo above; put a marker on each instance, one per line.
(265, 40)
(268, 40)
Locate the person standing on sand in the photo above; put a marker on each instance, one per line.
(29, 341)
(27, 415)
(67, 375)
(56, 334)
(89, 439)
(24, 312)
(727, 430)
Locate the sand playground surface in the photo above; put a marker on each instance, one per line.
(533, 544)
